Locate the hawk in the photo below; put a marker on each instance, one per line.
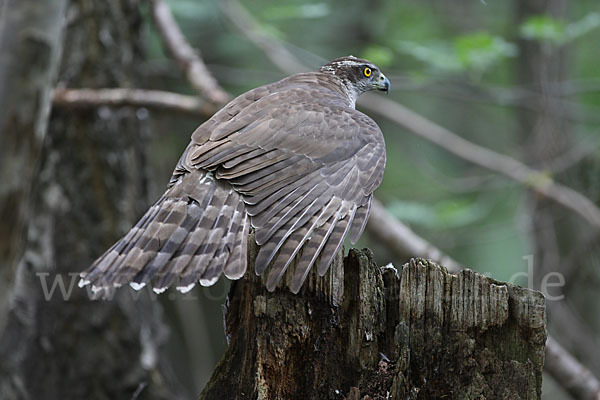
(293, 160)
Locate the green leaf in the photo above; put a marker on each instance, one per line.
(543, 27)
(475, 51)
(546, 28)
(481, 50)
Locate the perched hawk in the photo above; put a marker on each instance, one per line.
(294, 160)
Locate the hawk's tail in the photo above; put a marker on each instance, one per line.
(197, 230)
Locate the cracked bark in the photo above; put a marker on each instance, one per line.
(366, 332)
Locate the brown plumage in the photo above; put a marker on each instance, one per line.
(292, 159)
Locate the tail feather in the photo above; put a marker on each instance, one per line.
(208, 261)
(182, 256)
(159, 230)
(102, 268)
(163, 256)
(190, 233)
(207, 229)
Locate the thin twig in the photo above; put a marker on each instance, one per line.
(91, 98)
(573, 156)
(188, 58)
(574, 377)
(448, 140)
(279, 55)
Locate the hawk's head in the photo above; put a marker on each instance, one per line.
(358, 75)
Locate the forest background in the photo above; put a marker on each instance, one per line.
(493, 149)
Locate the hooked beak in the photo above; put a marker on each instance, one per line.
(383, 83)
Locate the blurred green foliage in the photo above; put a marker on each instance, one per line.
(473, 51)
(546, 28)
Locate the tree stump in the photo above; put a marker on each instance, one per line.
(369, 332)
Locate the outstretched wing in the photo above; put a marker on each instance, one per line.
(306, 165)
(294, 156)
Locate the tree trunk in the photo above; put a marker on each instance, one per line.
(365, 332)
(30, 42)
(91, 187)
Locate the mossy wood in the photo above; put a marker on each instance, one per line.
(369, 332)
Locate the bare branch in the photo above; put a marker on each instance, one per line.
(89, 98)
(189, 59)
(402, 240)
(566, 370)
(278, 54)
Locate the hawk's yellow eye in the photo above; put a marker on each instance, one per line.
(367, 71)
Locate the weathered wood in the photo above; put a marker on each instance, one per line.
(369, 332)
